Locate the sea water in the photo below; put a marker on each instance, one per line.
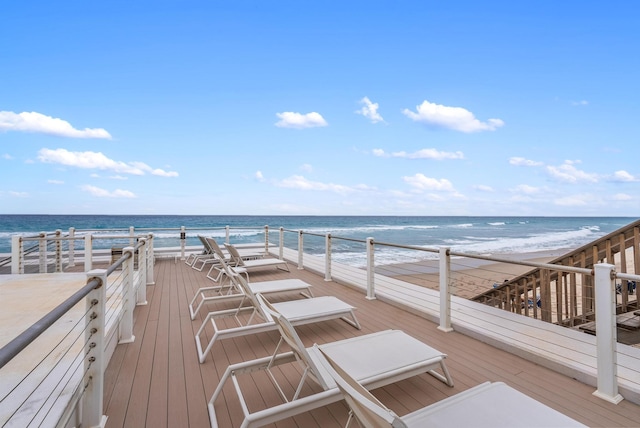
(475, 235)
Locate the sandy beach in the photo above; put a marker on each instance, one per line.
(471, 276)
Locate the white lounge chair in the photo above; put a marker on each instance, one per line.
(487, 405)
(231, 291)
(248, 254)
(298, 312)
(238, 261)
(206, 253)
(375, 359)
(212, 245)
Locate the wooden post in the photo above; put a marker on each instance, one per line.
(327, 257)
(371, 287)
(42, 252)
(300, 249)
(17, 254)
(445, 290)
(92, 400)
(72, 247)
(141, 291)
(150, 261)
(128, 301)
(88, 252)
(606, 334)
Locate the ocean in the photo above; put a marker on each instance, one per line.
(475, 235)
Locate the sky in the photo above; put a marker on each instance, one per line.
(320, 108)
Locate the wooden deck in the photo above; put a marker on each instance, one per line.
(157, 380)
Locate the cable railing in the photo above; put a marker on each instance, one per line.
(111, 295)
(52, 373)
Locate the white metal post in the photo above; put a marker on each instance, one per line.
(300, 247)
(266, 239)
(132, 234)
(141, 291)
(92, 399)
(327, 257)
(17, 254)
(72, 247)
(281, 245)
(445, 292)
(606, 334)
(151, 261)
(371, 266)
(126, 323)
(42, 252)
(88, 252)
(183, 241)
(227, 235)
(58, 244)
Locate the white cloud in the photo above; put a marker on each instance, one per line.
(301, 183)
(7, 156)
(258, 175)
(421, 154)
(484, 188)
(575, 201)
(55, 181)
(456, 118)
(580, 103)
(567, 172)
(622, 197)
(524, 162)
(421, 182)
(39, 123)
(306, 167)
(526, 189)
(18, 194)
(289, 119)
(116, 177)
(102, 193)
(370, 110)
(623, 176)
(97, 160)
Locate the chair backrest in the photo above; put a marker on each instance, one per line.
(215, 248)
(369, 411)
(290, 336)
(234, 254)
(207, 247)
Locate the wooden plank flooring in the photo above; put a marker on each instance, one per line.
(156, 381)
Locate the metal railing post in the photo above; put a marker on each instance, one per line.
(128, 301)
(151, 261)
(58, 244)
(300, 248)
(42, 252)
(132, 234)
(183, 241)
(327, 257)
(606, 337)
(281, 245)
(88, 252)
(92, 399)
(141, 291)
(445, 292)
(17, 254)
(266, 239)
(371, 291)
(72, 247)
(227, 235)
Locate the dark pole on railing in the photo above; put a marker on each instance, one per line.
(13, 348)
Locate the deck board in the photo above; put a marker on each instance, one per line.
(157, 380)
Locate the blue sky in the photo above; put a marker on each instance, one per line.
(320, 108)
